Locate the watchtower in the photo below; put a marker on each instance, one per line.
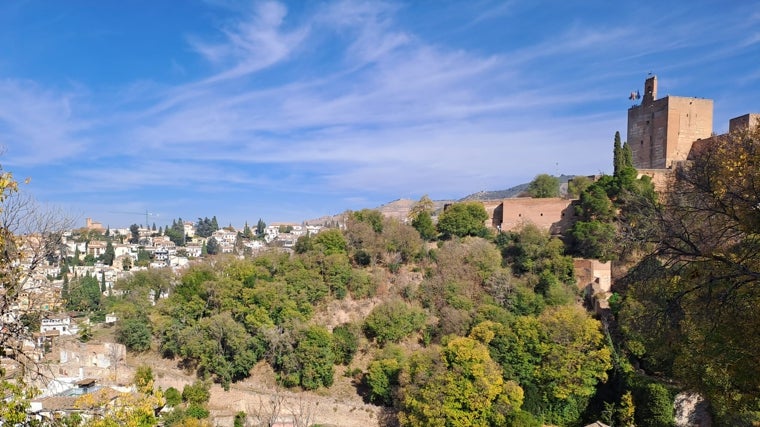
(661, 131)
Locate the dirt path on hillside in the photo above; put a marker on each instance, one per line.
(261, 399)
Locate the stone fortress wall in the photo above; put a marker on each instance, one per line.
(661, 131)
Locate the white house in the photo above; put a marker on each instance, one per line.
(58, 322)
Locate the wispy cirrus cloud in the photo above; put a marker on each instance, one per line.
(40, 126)
(252, 44)
(350, 97)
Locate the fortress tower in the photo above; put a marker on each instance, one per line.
(661, 131)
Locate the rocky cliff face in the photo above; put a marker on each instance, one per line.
(691, 410)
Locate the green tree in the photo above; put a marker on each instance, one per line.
(702, 280)
(382, 376)
(577, 185)
(595, 239)
(143, 258)
(65, 294)
(260, 227)
(145, 284)
(247, 233)
(458, 385)
(370, 216)
(544, 186)
(196, 393)
(77, 254)
(330, 242)
(345, 342)
(310, 363)
(109, 254)
(173, 396)
(134, 229)
(134, 333)
(463, 219)
(205, 227)
(84, 294)
(558, 358)
(423, 223)
(239, 420)
(655, 408)
(221, 348)
(595, 204)
(304, 244)
(618, 159)
(393, 320)
(424, 205)
(212, 246)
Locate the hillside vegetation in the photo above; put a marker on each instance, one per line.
(472, 328)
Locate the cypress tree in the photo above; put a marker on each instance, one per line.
(618, 161)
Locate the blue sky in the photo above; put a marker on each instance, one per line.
(291, 110)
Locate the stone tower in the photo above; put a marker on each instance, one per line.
(661, 131)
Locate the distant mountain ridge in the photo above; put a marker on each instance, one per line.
(400, 208)
(516, 191)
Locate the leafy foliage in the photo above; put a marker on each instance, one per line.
(700, 287)
(577, 185)
(205, 227)
(457, 385)
(382, 377)
(544, 186)
(212, 246)
(196, 393)
(423, 223)
(330, 242)
(621, 196)
(176, 233)
(463, 219)
(345, 342)
(393, 321)
(84, 294)
(134, 333)
(310, 364)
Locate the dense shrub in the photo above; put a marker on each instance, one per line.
(393, 321)
(345, 342)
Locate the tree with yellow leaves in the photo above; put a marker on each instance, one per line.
(457, 385)
(702, 284)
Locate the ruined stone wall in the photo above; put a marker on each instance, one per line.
(593, 271)
(494, 209)
(553, 214)
(744, 122)
(661, 178)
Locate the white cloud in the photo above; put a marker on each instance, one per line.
(392, 111)
(252, 44)
(39, 126)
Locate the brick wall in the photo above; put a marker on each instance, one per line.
(662, 132)
(553, 214)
